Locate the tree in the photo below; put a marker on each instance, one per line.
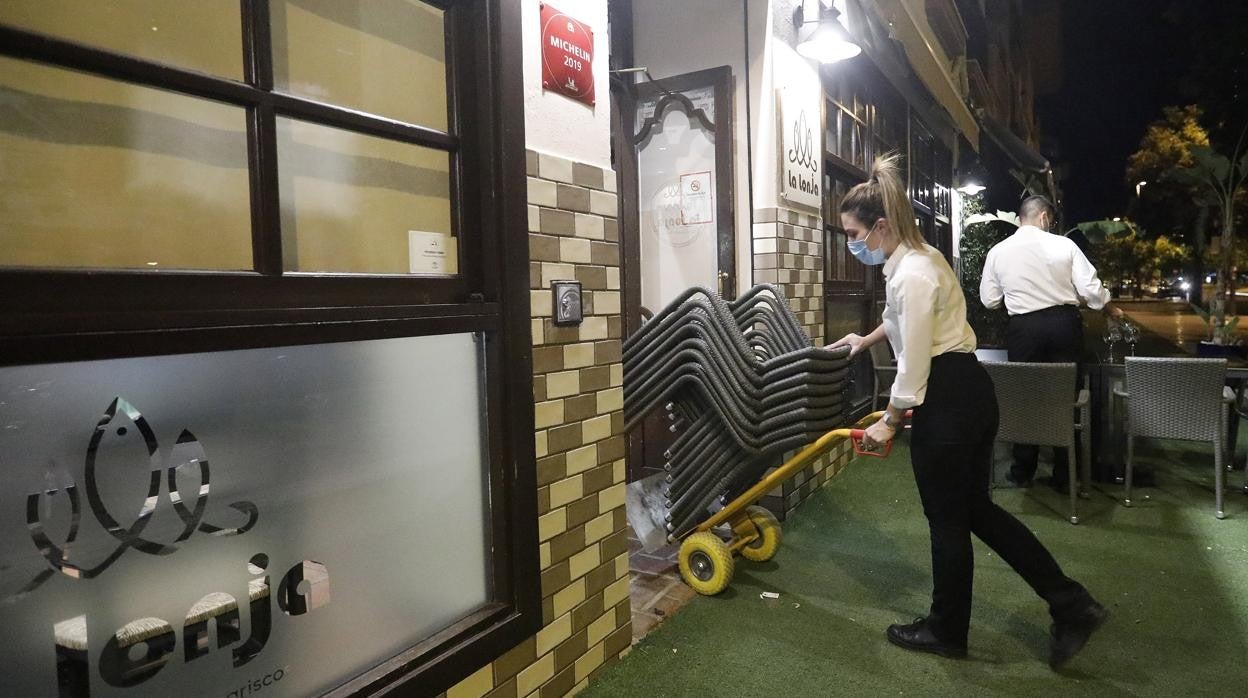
(1166, 205)
(977, 239)
(1220, 181)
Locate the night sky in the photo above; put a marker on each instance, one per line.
(1123, 60)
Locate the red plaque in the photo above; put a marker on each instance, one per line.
(567, 56)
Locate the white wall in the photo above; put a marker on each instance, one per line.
(556, 124)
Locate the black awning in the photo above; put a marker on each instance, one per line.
(1015, 148)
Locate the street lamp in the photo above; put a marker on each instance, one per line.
(971, 188)
(1139, 187)
(820, 34)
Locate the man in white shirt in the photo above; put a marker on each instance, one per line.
(1042, 279)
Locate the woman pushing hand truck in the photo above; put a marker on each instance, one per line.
(953, 427)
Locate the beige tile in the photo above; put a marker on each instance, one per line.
(609, 181)
(619, 471)
(568, 598)
(601, 627)
(621, 565)
(542, 192)
(564, 383)
(574, 250)
(613, 496)
(558, 169)
(535, 219)
(578, 355)
(609, 400)
(566, 491)
(540, 303)
(606, 302)
(555, 271)
(476, 685)
(543, 553)
(596, 429)
(548, 414)
(536, 332)
(583, 562)
(594, 328)
(537, 674)
(613, 277)
(540, 444)
(603, 203)
(589, 661)
(599, 528)
(552, 524)
(550, 636)
(617, 592)
(617, 375)
(590, 226)
(581, 459)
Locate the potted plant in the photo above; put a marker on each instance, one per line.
(1223, 341)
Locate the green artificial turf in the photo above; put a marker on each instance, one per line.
(855, 558)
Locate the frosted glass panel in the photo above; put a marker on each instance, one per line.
(283, 518)
(676, 180)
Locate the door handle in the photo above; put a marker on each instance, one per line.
(723, 282)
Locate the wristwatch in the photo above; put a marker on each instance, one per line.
(888, 420)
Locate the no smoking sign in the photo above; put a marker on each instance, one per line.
(567, 56)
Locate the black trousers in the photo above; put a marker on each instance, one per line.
(951, 452)
(1052, 335)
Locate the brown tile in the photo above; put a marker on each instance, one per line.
(581, 511)
(564, 438)
(535, 275)
(560, 685)
(623, 611)
(573, 199)
(609, 449)
(555, 578)
(597, 478)
(530, 163)
(592, 278)
(547, 359)
(507, 690)
(580, 407)
(587, 304)
(617, 422)
(595, 378)
(560, 335)
(614, 327)
(539, 388)
(567, 544)
(607, 253)
(611, 229)
(615, 545)
(515, 660)
(608, 351)
(587, 175)
(618, 641)
(587, 612)
(600, 577)
(548, 616)
(550, 469)
(543, 248)
(556, 222)
(543, 500)
(571, 649)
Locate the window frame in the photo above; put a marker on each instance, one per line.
(70, 314)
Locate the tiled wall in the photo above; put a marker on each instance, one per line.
(788, 251)
(577, 383)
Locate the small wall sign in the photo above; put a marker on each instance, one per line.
(801, 146)
(566, 296)
(567, 55)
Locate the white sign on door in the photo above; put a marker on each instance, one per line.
(801, 146)
(697, 200)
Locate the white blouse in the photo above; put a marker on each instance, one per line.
(924, 316)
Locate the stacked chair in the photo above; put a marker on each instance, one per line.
(744, 386)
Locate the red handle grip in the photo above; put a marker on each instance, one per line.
(855, 437)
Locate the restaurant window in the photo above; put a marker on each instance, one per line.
(266, 388)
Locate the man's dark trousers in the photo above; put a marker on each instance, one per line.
(1052, 335)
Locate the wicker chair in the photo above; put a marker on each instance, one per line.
(884, 369)
(1036, 406)
(1184, 399)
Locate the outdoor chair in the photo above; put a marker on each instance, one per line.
(884, 371)
(1183, 399)
(1037, 404)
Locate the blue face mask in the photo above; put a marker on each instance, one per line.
(867, 256)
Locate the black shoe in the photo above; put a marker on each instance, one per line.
(1069, 636)
(918, 636)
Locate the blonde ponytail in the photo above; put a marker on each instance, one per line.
(884, 195)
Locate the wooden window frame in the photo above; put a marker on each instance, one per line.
(63, 314)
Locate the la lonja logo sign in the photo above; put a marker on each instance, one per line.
(800, 148)
(142, 648)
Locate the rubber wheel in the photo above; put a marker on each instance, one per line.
(768, 542)
(705, 563)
